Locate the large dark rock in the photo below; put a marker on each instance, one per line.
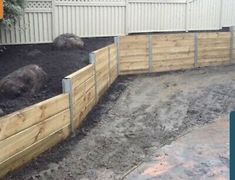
(28, 79)
(68, 41)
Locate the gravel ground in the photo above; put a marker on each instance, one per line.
(137, 114)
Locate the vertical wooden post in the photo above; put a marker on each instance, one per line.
(67, 88)
(150, 46)
(117, 42)
(231, 43)
(195, 49)
(92, 60)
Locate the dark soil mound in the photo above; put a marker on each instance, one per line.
(56, 63)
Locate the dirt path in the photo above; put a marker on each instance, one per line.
(200, 154)
(138, 115)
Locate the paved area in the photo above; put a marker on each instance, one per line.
(200, 154)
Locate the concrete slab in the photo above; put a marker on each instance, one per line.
(201, 154)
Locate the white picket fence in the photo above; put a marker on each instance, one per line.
(45, 19)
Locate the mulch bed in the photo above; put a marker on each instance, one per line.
(56, 63)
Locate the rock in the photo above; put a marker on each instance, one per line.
(68, 41)
(34, 53)
(28, 79)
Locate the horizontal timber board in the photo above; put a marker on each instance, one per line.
(20, 120)
(128, 72)
(84, 101)
(173, 63)
(173, 43)
(211, 56)
(28, 154)
(186, 49)
(101, 73)
(213, 60)
(215, 48)
(134, 45)
(210, 35)
(172, 37)
(134, 66)
(102, 57)
(103, 64)
(205, 64)
(82, 89)
(102, 82)
(134, 59)
(113, 75)
(171, 68)
(27, 137)
(133, 52)
(174, 56)
(130, 39)
(81, 75)
(81, 115)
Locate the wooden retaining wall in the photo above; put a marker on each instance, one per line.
(172, 52)
(213, 49)
(167, 52)
(88, 84)
(27, 133)
(133, 54)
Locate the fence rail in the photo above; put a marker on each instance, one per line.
(45, 19)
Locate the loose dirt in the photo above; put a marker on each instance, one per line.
(56, 63)
(138, 115)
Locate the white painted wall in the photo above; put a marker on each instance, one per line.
(45, 19)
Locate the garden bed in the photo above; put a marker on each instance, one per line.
(56, 63)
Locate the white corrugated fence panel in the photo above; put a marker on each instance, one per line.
(204, 15)
(228, 13)
(89, 20)
(144, 16)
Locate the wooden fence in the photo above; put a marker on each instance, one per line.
(29, 132)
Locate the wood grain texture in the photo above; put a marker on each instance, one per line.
(23, 119)
(27, 137)
(23, 157)
(213, 47)
(81, 75)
